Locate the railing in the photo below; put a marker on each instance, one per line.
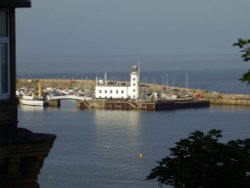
(72, 97)
(133, 105)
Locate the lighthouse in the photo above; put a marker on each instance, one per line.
(116, 90)
(134, 83)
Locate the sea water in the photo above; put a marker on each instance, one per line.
(110, 149)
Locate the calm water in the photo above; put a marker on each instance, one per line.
(100, 149)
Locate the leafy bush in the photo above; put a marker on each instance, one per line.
(200, 161)
(244, 45)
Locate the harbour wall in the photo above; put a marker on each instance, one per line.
(161, 105)
(227, 99)
(214, 97)
(56, 83)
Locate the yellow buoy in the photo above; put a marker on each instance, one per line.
(141, 155)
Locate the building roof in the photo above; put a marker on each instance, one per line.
(15, 3)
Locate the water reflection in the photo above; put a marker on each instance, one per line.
(26, 108)
(130, 119)
(120, 127)
(119, 141)
(101, 149)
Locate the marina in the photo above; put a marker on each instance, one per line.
(83, 102)
(123, 130)
(111, 95)
(76, 112)
(102, 93)
(153, 97)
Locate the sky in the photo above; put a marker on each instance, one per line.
(111, 35)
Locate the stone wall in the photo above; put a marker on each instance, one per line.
(54, 83)
(22, 157)
(227, 99)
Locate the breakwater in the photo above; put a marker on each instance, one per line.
(213, 97)
(227, 99)
(56, 83)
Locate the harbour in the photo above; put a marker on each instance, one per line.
(82, 91)
(68, 121)
(118, 137)
(85, 99)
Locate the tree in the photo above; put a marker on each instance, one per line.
(200, 161)
(244, 45)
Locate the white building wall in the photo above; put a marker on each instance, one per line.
(115, 92)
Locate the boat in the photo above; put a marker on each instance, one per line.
(32, 101)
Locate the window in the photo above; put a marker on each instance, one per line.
(100, 91)
(111, 91)
(122, 91)
(4, 23)
(117, 91)
(105, 91)
(4, 54)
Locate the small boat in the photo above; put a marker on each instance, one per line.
(32, 101)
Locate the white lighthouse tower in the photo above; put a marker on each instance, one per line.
(134, 83)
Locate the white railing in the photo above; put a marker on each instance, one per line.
(72, 97)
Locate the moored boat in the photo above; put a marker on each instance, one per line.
(32, 101)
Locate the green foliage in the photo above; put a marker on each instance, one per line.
(246, 77)
(200, 161)
(244, 45)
